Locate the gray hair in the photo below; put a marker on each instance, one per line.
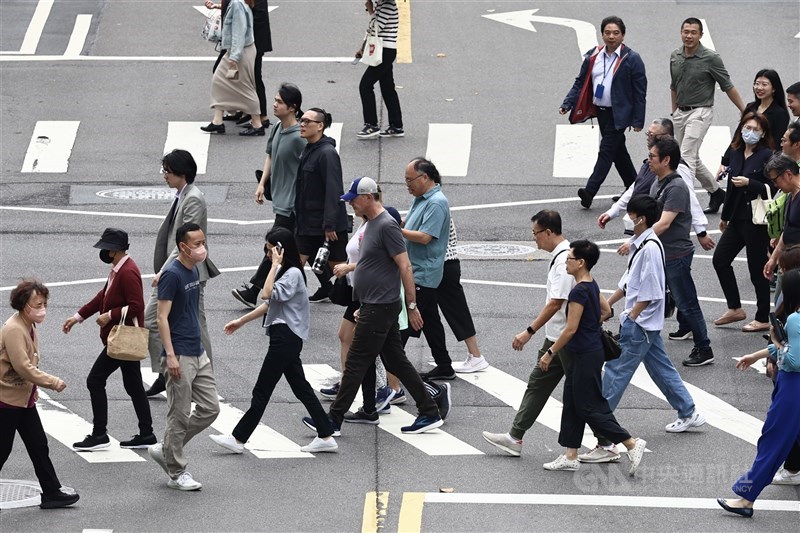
(666, 124)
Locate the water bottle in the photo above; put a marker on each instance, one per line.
(322, 258)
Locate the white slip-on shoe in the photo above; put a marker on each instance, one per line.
(562, 463)
(635, 456)
(228, 442)
(319, 445)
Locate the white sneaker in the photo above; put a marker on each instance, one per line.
(635, 456)
(505, 442)
(228, 442)
(682, 424)
(319, 445)
(784, 477)
(156, 452)
(562, 463)
(599, 455)
(184, 482)
(471, 364)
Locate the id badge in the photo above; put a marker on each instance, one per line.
(598, 92)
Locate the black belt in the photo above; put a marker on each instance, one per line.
(690, 107)
(603, 108)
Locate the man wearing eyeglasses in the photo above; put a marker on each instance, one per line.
(426, 230)
(785, 173)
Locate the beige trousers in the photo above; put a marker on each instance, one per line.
(690, 130)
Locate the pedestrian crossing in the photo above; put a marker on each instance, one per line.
(67, 427)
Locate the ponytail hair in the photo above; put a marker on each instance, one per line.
(323, 116)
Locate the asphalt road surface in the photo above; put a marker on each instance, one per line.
(91, 94)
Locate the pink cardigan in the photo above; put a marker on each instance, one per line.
(19, 363)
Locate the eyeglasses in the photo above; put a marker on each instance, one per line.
(751, 128)
(305, 121)
(414, 178)
(535, 233)
(761, 84)
(652, 156)
(573, 258)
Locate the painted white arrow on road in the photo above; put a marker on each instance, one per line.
(585, 31)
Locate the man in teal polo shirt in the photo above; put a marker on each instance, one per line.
(426, 231)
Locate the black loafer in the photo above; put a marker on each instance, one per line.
(236, 116)
(252, 132)
(213, 128)
(586, 198)
(243, 119)
(746, 512)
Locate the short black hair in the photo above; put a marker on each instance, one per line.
(22, 293)
(427, 167)
(794, 89)
(180, 233)
(794, 131)
(613, 19)
(548, 219)
(693, 20)
(181, 163)
(292, 97)
(586, 250)
(645, 206)
(668, 147)
(780, 163)
(323, 116)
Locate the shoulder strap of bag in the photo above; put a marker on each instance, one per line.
(553, 262)
(664, 184)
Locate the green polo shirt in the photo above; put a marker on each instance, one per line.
(694, 77)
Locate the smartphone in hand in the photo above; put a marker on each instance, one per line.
(777, 327)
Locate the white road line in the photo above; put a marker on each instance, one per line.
(51, 146)
(706, 39)
(68, 428)
(575, 150)
(716, 141)
(718, 413)
(188, 136)
(264, 443)
(78, 38)
(449, 147)
(203, 10)
(9, 57)
(593, 500)
(35, 27)
(335, 133)
(434, 442)
(123, 215)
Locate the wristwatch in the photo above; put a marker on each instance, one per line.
(411, 306)
(549, 351)
(530, 330)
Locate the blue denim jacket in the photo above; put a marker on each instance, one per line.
(237, 29)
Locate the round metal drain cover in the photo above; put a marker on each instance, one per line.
(493, 249)
(15, 493)
(138, 193)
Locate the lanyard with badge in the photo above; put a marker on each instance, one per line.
(598, 91)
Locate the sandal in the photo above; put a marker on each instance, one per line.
(755, 326)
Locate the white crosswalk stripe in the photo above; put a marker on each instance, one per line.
(188, 136)
(51, 146)
(449, 148)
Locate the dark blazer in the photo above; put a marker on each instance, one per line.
(628, 88)
(126, 290)
(737, 199)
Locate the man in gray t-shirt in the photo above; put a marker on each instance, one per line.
(383, 264)
(673, 230)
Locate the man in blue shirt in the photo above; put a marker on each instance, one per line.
(426, 231)
(189, 376)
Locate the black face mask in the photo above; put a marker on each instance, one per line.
(105, 257)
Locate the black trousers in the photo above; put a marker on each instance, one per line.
(432, 328)
(260, 277)
(744, 234)
(376, 333)
(283, 359)
(261, 91)
(27, 423)
(383, 74)
(612, 151)
(584, 403)
(453, 302)
(103, 367)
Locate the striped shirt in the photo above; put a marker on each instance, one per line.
(386, 18)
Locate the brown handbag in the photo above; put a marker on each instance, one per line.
(127, 343)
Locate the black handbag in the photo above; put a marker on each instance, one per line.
(341, 293)
(267, 185)
(611, 347)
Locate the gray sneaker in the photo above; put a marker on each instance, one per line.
(505, 442)
(599, 455)
(156, 452)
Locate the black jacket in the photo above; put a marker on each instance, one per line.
(318, 205)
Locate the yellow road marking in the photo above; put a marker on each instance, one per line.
(404, 31)
(411, 512)
(374, 515)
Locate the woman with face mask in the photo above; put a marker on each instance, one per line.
(751, 148)
(123, 289)
(20, 378)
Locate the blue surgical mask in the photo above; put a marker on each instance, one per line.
(750, 136)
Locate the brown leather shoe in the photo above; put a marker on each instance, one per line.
(730, 317)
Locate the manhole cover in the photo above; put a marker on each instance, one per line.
(15, 493)
(494, 250)
(138, 193)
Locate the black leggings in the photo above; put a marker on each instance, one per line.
(103, 367)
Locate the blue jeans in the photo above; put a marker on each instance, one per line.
(639, 345)
(690, 316)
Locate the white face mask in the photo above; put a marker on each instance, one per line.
(36, 314)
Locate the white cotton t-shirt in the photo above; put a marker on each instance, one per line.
(353, 249)
(559, 284)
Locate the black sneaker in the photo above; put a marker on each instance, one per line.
(391, 131)
(681, 335)
(321, 295)
(440, 372)
(139, 442)
(443, 400)
(92, 443)
(247, 295)
(700, 357)
(362, 417)
(158, 386)
(586, 198)
(368, 132)
(59, 499)
(422, 424)
(330, 393)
